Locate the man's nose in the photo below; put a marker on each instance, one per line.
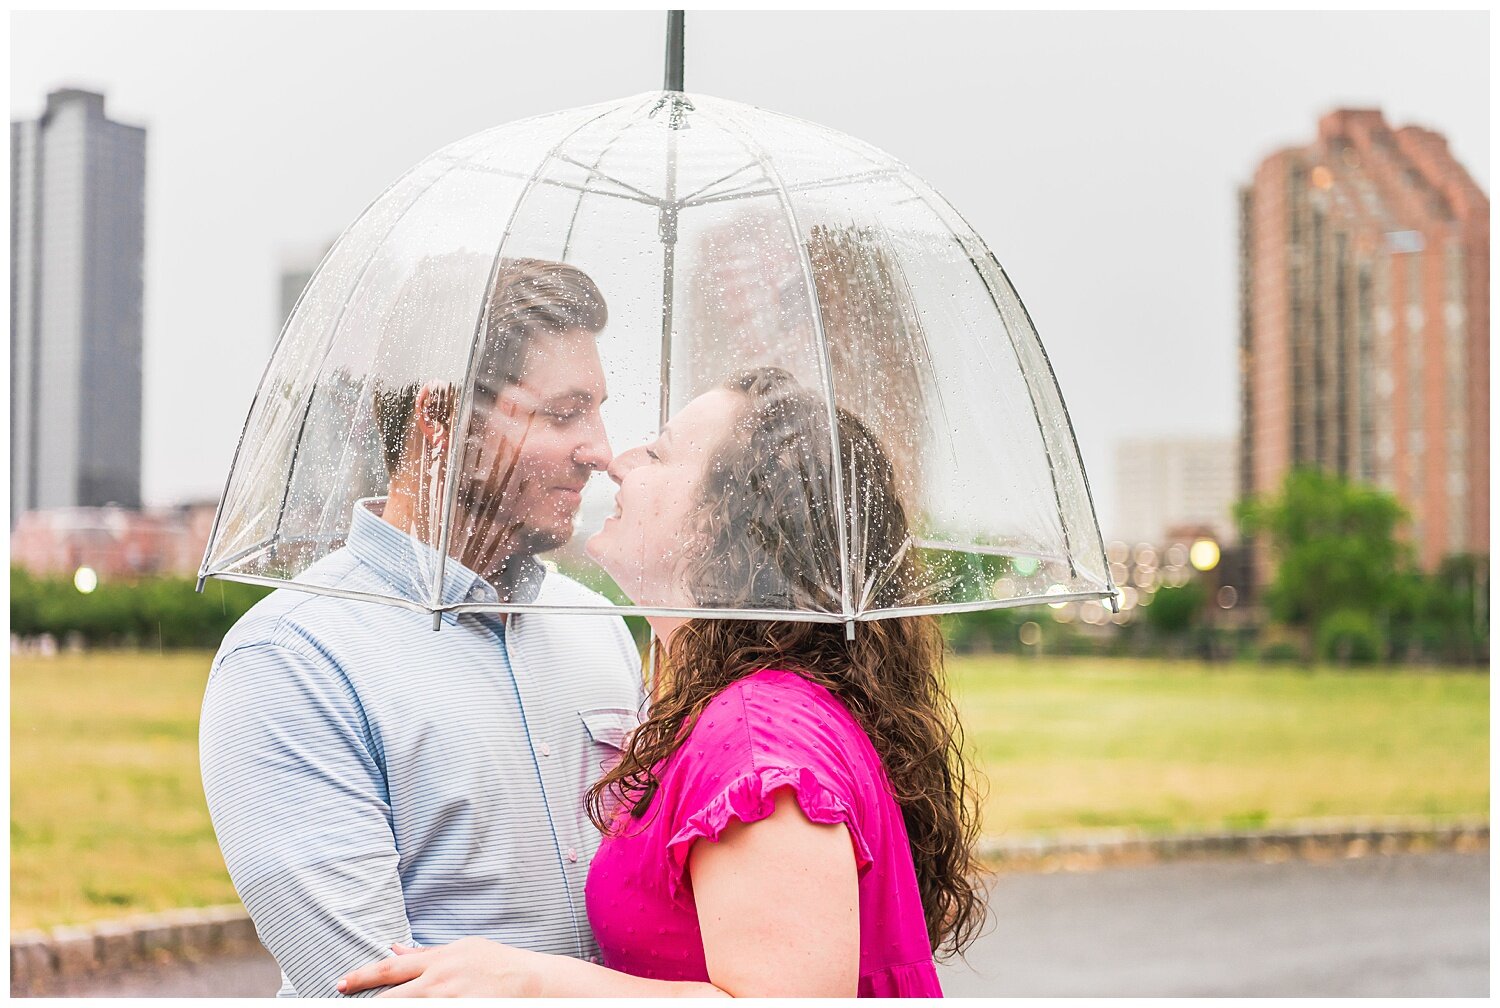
(594, 452)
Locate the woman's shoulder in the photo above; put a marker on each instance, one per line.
(773, 695)
(777, 714)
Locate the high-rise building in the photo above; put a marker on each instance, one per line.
(77, 237)
(1364, 325)
(297, 268)
(1167, 484)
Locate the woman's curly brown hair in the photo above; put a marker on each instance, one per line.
(766, 522)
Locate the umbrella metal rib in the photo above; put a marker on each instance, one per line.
(792, 615)
(466, 402)
(777, 188)
(687, 200)
(1036, 412)
(693, 199)
(595, 172)
(825, 364)
(578, 203)
(332, 338)
(645, 198)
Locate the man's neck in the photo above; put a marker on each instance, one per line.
(504, 569)
(511, 574)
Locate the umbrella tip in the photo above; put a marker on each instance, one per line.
(848, 630)
(199, 587)
(437, 622)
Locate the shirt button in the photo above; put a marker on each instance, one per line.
(572, 854)
(546, 749)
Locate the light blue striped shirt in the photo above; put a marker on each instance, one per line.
(372, 781)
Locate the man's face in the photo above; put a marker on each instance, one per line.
(531, 448)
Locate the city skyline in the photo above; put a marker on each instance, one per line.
(1188, 110)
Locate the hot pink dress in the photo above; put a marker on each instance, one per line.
(768, 731)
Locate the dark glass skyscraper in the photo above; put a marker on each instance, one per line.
(78, 191)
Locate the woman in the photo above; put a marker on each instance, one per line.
(823, 773)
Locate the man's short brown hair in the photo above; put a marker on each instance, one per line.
(529, 297)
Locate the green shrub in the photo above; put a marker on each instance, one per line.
(1174, 610)
(1281, 653)
(1350, 636)
(161, 612)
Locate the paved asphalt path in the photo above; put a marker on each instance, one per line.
(1407, 924)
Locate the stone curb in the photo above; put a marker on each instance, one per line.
(1310, 841)
(48, 963)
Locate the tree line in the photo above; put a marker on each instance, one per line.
(1345, 588)
(157, 612)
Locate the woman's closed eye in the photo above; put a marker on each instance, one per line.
(651, 454)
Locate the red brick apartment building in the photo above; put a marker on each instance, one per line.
(1364, 324)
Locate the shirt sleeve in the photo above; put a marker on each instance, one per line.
(299, 803)
(750, 743)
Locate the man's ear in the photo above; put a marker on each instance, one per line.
(433, 414)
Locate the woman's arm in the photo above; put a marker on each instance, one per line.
(477, 967)
(778, 905)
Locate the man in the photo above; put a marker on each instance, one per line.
(372, 782)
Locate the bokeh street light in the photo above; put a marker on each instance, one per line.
(85, 580)
(1204, 554)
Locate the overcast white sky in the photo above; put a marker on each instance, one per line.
(1097, 153)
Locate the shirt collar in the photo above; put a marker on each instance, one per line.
(410, 565)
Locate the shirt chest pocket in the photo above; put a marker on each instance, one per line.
(608, 730)
(610, 727)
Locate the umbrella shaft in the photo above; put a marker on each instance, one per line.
(674, 51)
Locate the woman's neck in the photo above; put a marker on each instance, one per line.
(665, 626)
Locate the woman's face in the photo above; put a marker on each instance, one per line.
(644, 543)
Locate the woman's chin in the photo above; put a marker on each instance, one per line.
(596, 546)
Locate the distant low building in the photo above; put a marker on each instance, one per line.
(116, 543)
(1166, 483)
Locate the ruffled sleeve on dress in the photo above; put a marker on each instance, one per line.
(752, 743)
(752, 797)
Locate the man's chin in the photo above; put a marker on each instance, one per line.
(542, 538)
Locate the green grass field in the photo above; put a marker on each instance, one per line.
(107, 814)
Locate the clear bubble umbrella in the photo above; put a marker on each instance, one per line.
(860, 420)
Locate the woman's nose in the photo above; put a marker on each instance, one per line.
(624, 462)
